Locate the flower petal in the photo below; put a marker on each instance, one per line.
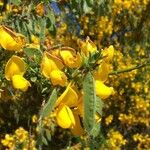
(14, 66)
(10, 40)
(108, 53)
(71, 58)
(87, 47)
(102, 72)
(69, 97)
(58, 78)
(49, 64)
(77, 128)
(19, 82)
(65, 117)
(102, 90)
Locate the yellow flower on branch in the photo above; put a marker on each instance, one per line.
(50, 63)
(102, 90)
(58, 77)
(51, 68)
(40, 9)
(87, 46)
(66, 108)
(70, 57)
(65, 117)
(69, 97)
(102, 72)
(19, 82)
(14, 71)
(14, 66)
(10, 40)
(77, 129)
(108, 53)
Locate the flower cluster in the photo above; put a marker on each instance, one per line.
(70, 102)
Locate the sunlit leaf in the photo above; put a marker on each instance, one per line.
(89, 99)
(50, 104)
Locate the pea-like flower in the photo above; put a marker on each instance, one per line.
(14, 71)
(102, 73)
(58, 77)
(108, 53)
(102, 90)
(51, 68)
(87, 46)
(65, 108)
(19, 82)
(71, 58)
(10, 40)
(65, 112)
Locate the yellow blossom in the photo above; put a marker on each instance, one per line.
(19, 82)
(21, 134)
(69, 97)
(9, 141)
(10, 40)
(50, 63)
(65, 117)
(58, 77)
(71, 58)
(14, 66)
(102, 72)
(108, 53)
(77, 128)
(14, 71)
(87, 46)
(40, 9)
(102, 90)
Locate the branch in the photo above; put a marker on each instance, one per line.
(128, 69)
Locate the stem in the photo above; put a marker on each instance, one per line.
(128, 69)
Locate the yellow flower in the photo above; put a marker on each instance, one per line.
(77, 128)
(58, 77)
(87, 46)
(14, 66)
(21, 134)
(10, 40)
(1, 3)
(102, 72)
(14, 71)
(19, 82)
(50, 63)
(71, 58)
(108, 53)
(65, 117)
(9, 141)
(69, 97)
(40, 9)
(102, 90)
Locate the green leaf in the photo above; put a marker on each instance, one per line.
(48, 134)
(95, 131)
(89, 99)
(33, 52)
(42, 29)
(99, 108)
(89, 2)
(99, 105)
(49, 105)
(86, 7)
(51, 22)
(44, 140)
(16, 2)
